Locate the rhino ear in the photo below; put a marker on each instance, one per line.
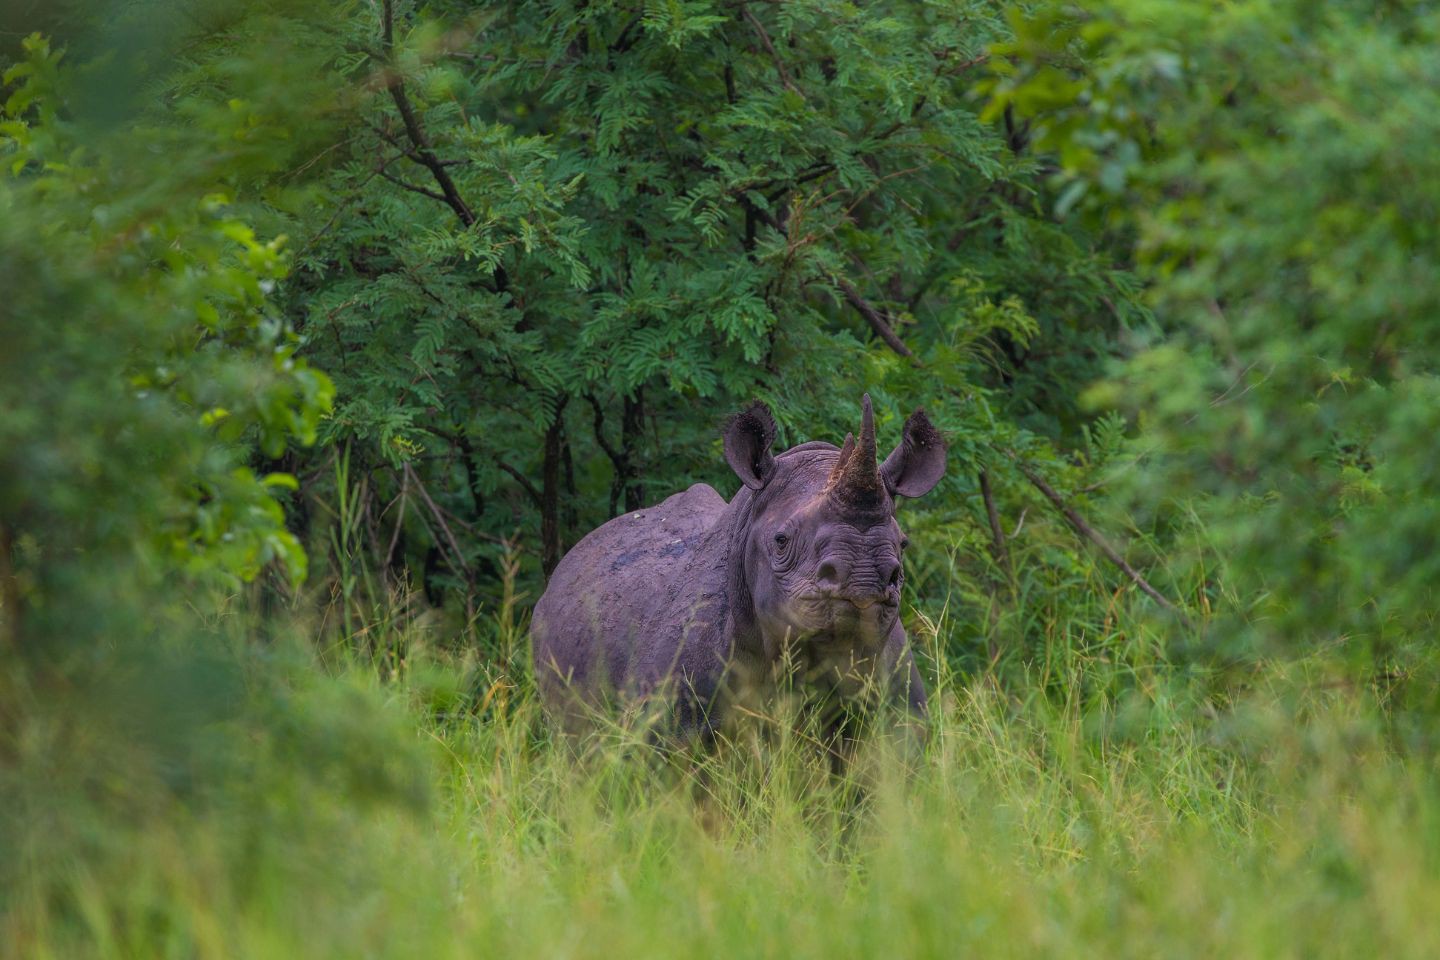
(918, 463)
(748, 437)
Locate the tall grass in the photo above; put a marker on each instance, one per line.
(399, 794)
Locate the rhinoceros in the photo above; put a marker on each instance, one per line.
(699, 605)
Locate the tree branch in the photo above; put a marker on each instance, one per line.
(624, 42)
(963, 65)
(423, 153)
(759, 29)
(997, 532)
(550, 533)
(407, 151)
(460, 563)
(413, 188)
(819, 170)
(875, 318)
(523, 480)
(1091, 534)
(610, 451)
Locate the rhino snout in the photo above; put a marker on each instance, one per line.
(838, 578)
(889, 597)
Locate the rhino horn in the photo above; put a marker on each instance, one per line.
(855, 479)
(845, 453)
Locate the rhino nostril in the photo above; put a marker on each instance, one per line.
(828, 573)
(894, 579)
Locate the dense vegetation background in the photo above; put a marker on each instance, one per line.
(326, 328)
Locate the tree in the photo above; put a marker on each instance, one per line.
(562, 240)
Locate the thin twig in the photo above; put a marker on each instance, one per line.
(439, 519)
(964, 65)
(400, 519)
(523, 480)
(759, 29)
(413, 188)
(1091, 534)
(1002, 559)
(997, 533)
(408, 152)
(873, 316)
(877, 321)
(316, 159)
(341, 207)
(1019, 524)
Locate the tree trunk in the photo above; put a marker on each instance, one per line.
(569, 514)
(632, 429)
(550, 493)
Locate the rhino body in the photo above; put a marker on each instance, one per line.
(697, 605)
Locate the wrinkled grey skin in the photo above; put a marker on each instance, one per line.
(701, 606)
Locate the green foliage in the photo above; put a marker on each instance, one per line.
(1273, 162)
(142, 367)
(594, 229)
(1172, 262)
(158, 363)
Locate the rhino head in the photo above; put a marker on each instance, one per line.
(816, 558)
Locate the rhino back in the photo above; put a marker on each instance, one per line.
(638, 600)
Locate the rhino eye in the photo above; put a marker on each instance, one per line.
(904, 542)
(781, 539)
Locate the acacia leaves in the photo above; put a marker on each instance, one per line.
(666, 210)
